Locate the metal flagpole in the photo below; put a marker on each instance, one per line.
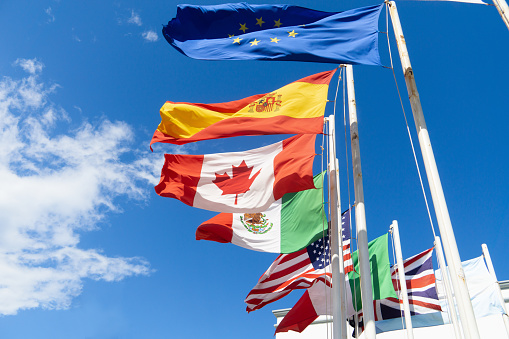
(503, 10)
(338, 269)
(402, 280)
(360, 214)
(453, 316)
(487, 257)
(466, 311)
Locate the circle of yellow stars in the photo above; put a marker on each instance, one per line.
(260, 22)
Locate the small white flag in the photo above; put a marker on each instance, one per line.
(480, 2)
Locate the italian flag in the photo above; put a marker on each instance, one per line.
(288, 225)
(296, 108)
(240, 182)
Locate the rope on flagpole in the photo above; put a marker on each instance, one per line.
(324, 219)
(352, 237)
(328, 296)
(406, 121)
(397, 279)
(328, 304)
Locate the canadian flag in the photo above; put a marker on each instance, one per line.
(244, 182)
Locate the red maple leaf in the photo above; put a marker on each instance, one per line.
(238, 183)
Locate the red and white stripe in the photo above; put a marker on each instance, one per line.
(345, 225)
(288, 272)
(347, 256)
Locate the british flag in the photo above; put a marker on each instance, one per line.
(422, 293)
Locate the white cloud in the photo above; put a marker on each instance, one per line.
(134, 19)
(49, 12)
(150, 36)
(31, 66)
(54, 185)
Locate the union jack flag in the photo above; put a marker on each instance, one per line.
(420, 282)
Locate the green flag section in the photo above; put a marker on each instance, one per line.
(380, 272)
(290, 224)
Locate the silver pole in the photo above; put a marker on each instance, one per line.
(402, 280)
(337, 265)
(360, 214)
(466, 311)
(453, 316)
(503, 10)
(487, 257)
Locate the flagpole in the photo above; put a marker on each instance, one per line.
(487, 257)
(466, 311)
(402, 280)
(337, 264)
(503, 10)
(453, 315)
(360, 214)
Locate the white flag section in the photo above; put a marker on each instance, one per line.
(466, 1)
(481, 287)
(210, 196)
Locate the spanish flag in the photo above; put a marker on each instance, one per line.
(296, 108)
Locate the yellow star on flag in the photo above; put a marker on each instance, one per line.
(243, 28)
(259, 21)
(277, 23)
(237, 40)
(254, 42)
(231, 35)
(292, 33)
(274, 40)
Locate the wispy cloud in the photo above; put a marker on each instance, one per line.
(54, 185)
(150, 36)
(31, 66)
(49, 12)
(134, 19)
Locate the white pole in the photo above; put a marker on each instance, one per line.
(453, 316)
(337, 265)
(342, 275)
(487, 257)
(360, 214)
(466, 311)
(503, 10)
(402, 280)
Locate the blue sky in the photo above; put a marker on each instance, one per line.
(88, 250)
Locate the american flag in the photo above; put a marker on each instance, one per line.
(420, 281)
(345, 226)
(298, 270)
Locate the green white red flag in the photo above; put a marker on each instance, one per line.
(240, 182)
(290, 224)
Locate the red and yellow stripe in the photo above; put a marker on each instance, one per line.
(298, 109)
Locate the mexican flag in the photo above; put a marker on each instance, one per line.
(288, 225)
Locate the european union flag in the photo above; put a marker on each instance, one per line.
(275, 32)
